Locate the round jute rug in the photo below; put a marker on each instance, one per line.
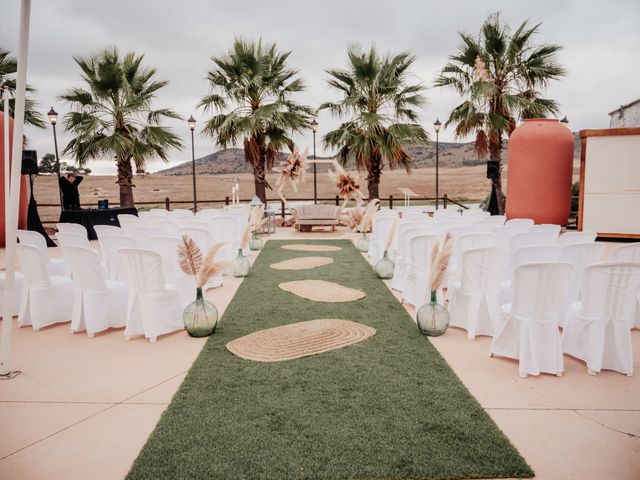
(299, 340)
(302, 263)
(303, 247)
(321, 291)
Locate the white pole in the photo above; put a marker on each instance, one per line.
(11, 224)
(5, 95)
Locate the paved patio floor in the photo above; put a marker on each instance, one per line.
(83, 408)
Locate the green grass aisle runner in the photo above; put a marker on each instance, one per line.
(386, 408)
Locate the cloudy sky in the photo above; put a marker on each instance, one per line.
(601, 43)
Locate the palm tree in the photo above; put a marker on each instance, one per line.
(379, 105)
(8, 68)
(500, 73)
(251, 90)
(112, 115)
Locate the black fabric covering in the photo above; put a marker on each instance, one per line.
(90, 217)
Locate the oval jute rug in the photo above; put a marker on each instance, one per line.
(321, 291)
(304, 247)
(302, 263)
(299, 340)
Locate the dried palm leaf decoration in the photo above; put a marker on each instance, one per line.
(392, 234)
(440, 256)
(355, 218)
(292, 172)
(193, 264)
(367, 216)
(347, 183)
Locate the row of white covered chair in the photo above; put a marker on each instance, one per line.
(597, 323)
(145, 304)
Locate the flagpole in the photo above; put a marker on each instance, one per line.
(11, 224)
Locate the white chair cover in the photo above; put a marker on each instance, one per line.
(403, 226)
(72, 240)
(142, 215)
(225, 229)
(580, 255)
(201, 236)
(446, 213)
(159, 212)
(416, 289)
(129, 224)
(16, 295)
(76, 228)
(55, 266)
(550, 228)
(402, 257)
(154, 308)
(529, 326)
(525, 239)
(524, 223)
(46, 299)
(110, 245)
(569, 238)
(146, 231)
(181, 212)
(107, 230)
(598, 329)
(169, 229)
(98, 303)
(489, 223)
(629, 253)
(529, 254)
(474, 302)
(504, 233)
(380, 229)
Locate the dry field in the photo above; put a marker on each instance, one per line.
(461, 184)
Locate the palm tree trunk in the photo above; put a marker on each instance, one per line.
(125, 180)
(495, 153)
(373, 178)
(260, 181)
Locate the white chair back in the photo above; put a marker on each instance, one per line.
(145, 232)
(403, 227)
(129, 223)
(489, 223)
(550, 228)
(539, 291)
(535, 254)
(85, 268)
(181, 212)
(524, 223)
(443, 213)
(107, 230)
(481, 269)
(110, 245)
(29, 237)
(143, 270)
(73, 240)
(419, 251)
(33, 266)
(504, 233)
(627, 253)
(76, 228)
(168, 228)
(167, 248)
(201, 236)
(159, 212)
(609, 291)
(530, 238)
(569, 238)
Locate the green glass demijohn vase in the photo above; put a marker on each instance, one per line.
(363, 243)
(241, 265)
(384, 268)
(255, 243)
(200, 317)
(432, 318)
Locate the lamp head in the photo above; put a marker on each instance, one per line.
(53, 116)
(192, 123)
(314, 126)
(436, 125)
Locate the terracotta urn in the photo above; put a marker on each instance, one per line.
(22, 218)
(540, 171)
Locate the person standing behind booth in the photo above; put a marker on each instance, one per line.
(69, 187)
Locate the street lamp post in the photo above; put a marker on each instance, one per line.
(314, 129)
(192, 127)
(436, 126)
(53, 119)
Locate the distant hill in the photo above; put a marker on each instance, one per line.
(451, 155)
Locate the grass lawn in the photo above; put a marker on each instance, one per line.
(385, 408)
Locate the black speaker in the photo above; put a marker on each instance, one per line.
(29, 162)
(493, 169)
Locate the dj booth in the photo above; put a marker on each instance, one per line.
(95, 216)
